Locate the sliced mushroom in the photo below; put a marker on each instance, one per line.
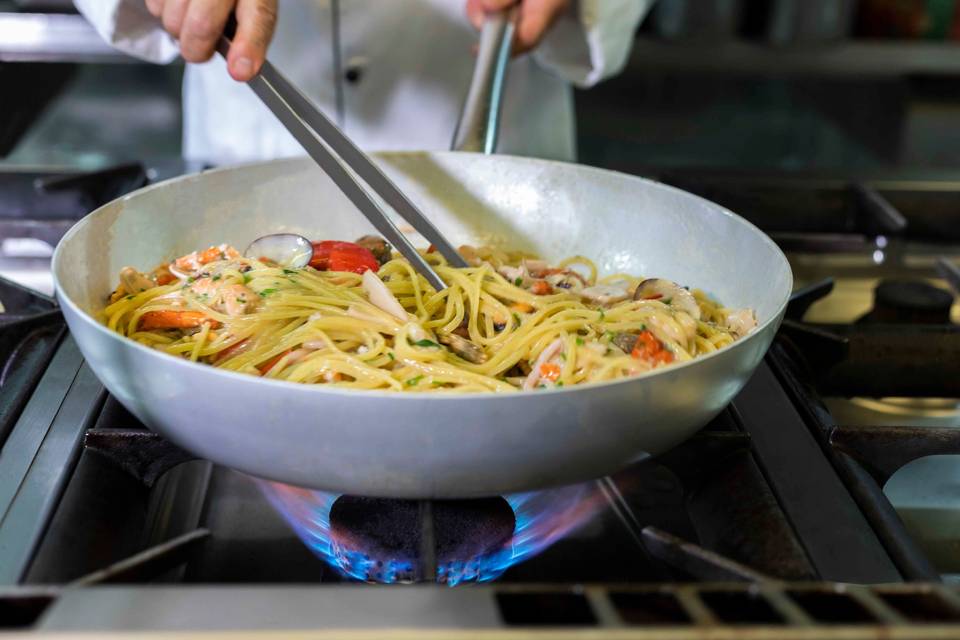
(604, 294)
(379, 247)
(133, 281)
(626, 341)
(463, 348)
(740, 322)
(669, 293)
(382, 297)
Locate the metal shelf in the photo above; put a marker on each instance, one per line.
(857, 57)
(39, 37)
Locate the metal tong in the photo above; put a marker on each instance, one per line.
(351, 169)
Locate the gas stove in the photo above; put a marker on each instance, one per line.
(791, 511)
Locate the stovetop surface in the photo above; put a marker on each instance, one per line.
(786, 483)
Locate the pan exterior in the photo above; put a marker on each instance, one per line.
(412, 445)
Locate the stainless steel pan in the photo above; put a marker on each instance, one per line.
(420, 445)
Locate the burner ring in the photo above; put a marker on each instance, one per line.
(911, 301)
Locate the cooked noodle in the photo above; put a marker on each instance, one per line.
(485, 332)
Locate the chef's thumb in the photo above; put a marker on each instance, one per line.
(477, 9)
(256, 20)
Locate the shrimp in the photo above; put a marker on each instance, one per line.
(232, 299)
(193, 262)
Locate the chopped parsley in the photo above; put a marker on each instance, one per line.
(242, 299)
(412, 382)
(437, 383)
(426, 343)
(563, 356)
(289, 272)
(216, 277)
(246, 278)
(391, 356)
(603, 316)
(517, 282)
(579, 341)
(130, 297)
(559, 383)
(667, 300)
(267, 292)
(516, 318)
(190, 280)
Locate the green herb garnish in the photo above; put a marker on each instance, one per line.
(579, 342)
(516, 318)
(130, 297)
(602, 315)
(412, 382)
(289, 272)
(246, 278)
(667, 300)
(267, 292)
(391, 356)
(517, 282)
(216, 277)
(426, 343)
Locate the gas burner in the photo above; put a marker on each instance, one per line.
(909, 301)
(463, 533)
(380, 540)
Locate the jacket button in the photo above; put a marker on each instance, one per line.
(353, 74)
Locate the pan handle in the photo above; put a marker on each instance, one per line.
(479, 121)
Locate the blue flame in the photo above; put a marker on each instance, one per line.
(541, 518)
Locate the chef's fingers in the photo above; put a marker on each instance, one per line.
(172, 15)
(498, 5)
(256, 20)
(202, 26)
(475, 13)
(536, 18)
(155, 7)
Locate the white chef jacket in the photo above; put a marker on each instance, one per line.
(404, 66)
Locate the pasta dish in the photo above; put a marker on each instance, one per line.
(359, 316)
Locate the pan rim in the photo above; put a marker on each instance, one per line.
(672, 370)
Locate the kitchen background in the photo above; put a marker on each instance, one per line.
(775, 84)
(831, 124)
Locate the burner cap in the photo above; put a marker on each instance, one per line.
(387, 533)
(912, 301)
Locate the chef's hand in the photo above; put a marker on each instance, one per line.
(197, 24)
(533, 21)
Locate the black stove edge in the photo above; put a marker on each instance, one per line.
(38, 458)
(860, 468)
(840, 541)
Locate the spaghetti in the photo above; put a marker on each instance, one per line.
(507, 322)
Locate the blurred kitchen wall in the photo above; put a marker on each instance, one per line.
(783, 85)
(769, 84)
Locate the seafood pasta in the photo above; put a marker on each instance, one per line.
(360, 317)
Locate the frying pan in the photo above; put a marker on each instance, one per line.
(386, 444)
(426, 445)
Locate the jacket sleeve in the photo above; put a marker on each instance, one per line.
(592, 41)
(129, 27)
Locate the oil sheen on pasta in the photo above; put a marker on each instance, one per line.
(508, 322)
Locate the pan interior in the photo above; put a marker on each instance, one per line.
(623, 223)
